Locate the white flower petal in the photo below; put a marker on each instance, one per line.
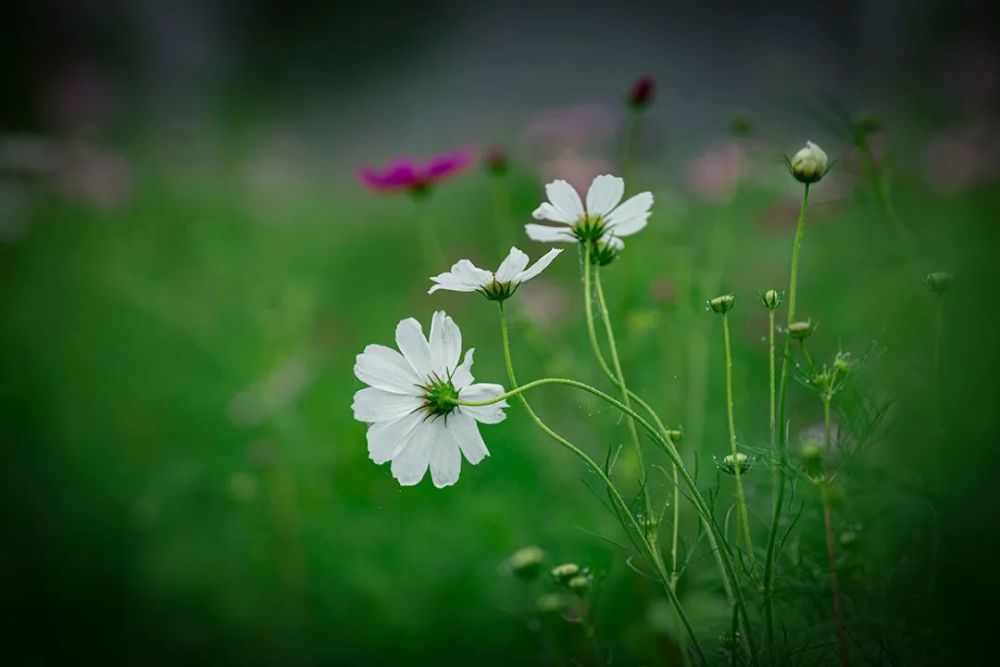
(387, 439)
(411, 342)
(512, 265)
(464, 430)
(547, 234)
(410, 464)
(385, 368)
(374, 405)
(538, 266)
(463, 374)
(446, 344)
(631, 216)
(604, 194)
(446, 459)
(488, 414)
(564, 197)
(470, 274)
(449, 282)
(464, 276)
(547, 211)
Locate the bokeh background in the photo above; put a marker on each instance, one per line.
(188, 266)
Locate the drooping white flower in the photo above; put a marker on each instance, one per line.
(604, 218)
(496, 286)
(410, 403)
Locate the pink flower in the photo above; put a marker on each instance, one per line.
(406, 174)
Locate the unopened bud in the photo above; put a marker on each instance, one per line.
(551, 603)
(675, 435)
(771, 299)
(603, 252)
(811, 456)
(579, 584)
(722, 304)
(731, 463)
(849, 539)
(809, 164)
(800, 330)
(842, 363)
(741, 125)
(641, 93)
(563, 573)
(527, 562)
(939, 281)
(496, 162)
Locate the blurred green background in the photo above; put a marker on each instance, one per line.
(188, 268)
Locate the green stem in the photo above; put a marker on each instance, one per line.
(621, 506)
(620, 381)
(599, 355)
(831, 553)
(772, 417)
(938, 370)
(668, 447)
(741, 501)
(782, 427)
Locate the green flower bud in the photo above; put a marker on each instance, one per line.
(849, 539)
(800, 330)
(722, 304)
(563, 573)
(579, 584)
(551, 603)
(771, 299)
(939, 281)
(603, 252)
(733, 462)
(811, 456)
(842, 363)
(809, 164)
(526, 563)
(675, 435)
(741, 125)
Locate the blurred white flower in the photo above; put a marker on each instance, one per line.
(603, 219)
(411, 403)
(496, 286)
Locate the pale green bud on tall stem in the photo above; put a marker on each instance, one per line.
(779, 492)
(723, 305)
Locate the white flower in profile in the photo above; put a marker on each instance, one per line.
(495, 286)
(410, 403)
(605, 217)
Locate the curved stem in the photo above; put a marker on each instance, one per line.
(620, 375)
(782, 427)
(675, 528)
(741, 501)
(621, 506)
(668, 447)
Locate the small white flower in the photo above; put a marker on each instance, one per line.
(497, 286)
(410, 403)
(809, 164)
(602, 219)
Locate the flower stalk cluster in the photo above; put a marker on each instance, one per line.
(424, 408)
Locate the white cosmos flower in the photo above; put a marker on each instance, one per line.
(410, 403)
(604, 217)
(496, 286)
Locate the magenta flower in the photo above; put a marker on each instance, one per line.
(406, 174)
